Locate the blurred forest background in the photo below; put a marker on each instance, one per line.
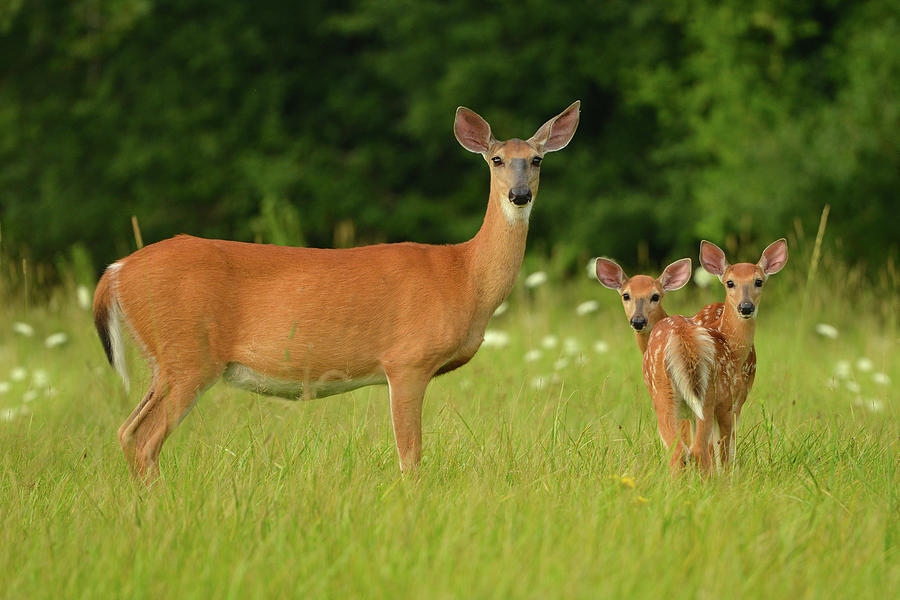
(330, 123)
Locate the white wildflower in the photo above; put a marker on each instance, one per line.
(587, 307)
(533, 355)
(501, 309)
(852, 386)
(592, 269)
(549, 342)
(826, 330)
(561, 364)
(601, 347)
(702, 277)
(571, 346)
(494, 338)
(536, 279)
(872, 404)
(538, 382)
(84, 297)
(881, 378)
(18, 374)
(40, 378)
(29, 396)
(56, 339)
(8, 414)
(842, 369)
(4, 387)
(23, 328)
(864, 364)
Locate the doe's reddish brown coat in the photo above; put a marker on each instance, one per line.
(306, 322)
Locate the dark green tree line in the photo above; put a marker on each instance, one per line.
(285, 122)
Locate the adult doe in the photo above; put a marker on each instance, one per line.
(308, 322)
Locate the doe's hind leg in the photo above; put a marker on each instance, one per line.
(144, 432)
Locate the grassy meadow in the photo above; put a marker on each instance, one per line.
(543, 475)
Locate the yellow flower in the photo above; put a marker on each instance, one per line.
(625, 480)
(641, 500)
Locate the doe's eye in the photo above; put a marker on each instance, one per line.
(536, 161)
(626, 297)
(729, 283)
(654, 298)
(759, 283)
(497, 161)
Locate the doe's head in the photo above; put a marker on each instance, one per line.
(642, 295)
(515, 164)
(743, 281)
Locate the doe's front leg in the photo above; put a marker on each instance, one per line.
(407, 392)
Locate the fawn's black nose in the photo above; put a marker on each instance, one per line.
(520, 196)
(746, 308)
(638, 323)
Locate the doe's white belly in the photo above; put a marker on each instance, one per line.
(242, 376)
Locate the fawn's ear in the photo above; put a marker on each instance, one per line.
(712, 258)
(556, 133)
(676, 275)
(610, 274)
(471, 131)
(774, 257)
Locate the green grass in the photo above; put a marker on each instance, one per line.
(524, 492)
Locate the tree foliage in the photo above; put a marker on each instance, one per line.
(283, 121)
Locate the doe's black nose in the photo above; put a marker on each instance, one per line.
(746, 308)
(638, 323)
(520, 196)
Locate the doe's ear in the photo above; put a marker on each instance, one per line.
(471, 131)
(676, 275)
(556, 133)
(610, 274)
(712, 258)
(774, 257)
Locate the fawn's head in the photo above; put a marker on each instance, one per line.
(744, 281)
(642, 295)
(515, 164)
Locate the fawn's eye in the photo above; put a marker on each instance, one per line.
(729, 283)
(654, 298)
(759, 283)
(626, 297)
(497, 161)
(536, 161)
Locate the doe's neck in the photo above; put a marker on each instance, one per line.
(496, 252)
